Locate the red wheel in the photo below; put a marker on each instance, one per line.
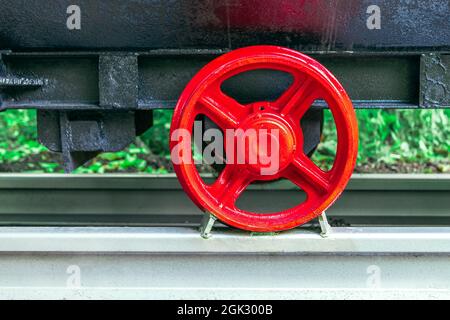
(311, 81)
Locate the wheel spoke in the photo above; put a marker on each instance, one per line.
(231, 182)
(306, 174)
(298, 98)
(222, 109)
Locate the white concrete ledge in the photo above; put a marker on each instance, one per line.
(162, 240)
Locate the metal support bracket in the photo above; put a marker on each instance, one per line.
(325, 228)
(207, 225)
(209, 220)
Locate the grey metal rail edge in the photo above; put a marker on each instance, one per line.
(152, 200)
(176, 263)
(170, 262)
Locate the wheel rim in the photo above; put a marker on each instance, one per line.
(311, 81)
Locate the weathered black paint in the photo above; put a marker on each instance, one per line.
(313, 25)
(81, 135)
(95, 87)
(435, 81)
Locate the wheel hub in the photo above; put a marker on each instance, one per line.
(267, 142)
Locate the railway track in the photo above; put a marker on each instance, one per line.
(162, 255)
(145, 200)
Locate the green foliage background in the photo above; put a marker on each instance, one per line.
(388, 138)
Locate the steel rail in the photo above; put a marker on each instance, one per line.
(150, 262)
(171, 262)
(149, 200)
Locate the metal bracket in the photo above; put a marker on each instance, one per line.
(325, 227)
(209, 220)
(207, 225)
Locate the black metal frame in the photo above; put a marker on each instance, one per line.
(95, 88)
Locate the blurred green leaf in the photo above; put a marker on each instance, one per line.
(393, 137)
